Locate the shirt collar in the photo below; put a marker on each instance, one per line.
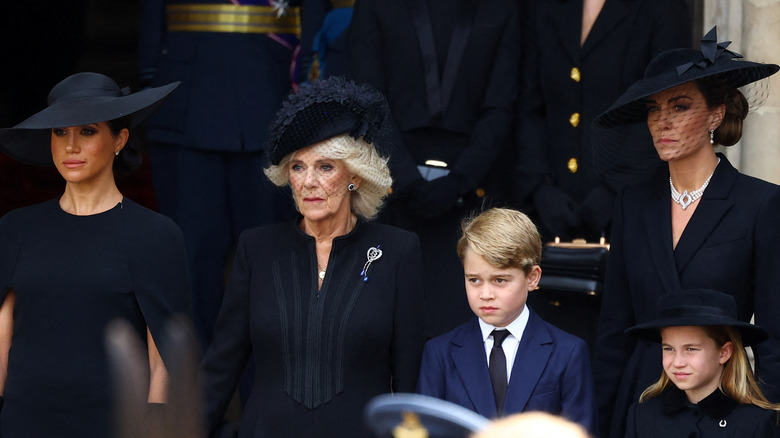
(516, 327)
(715, 405)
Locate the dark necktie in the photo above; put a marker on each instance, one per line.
(497, 368)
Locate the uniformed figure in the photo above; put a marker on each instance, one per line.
(234, 64)
(324, 26)
(579, 56)
(449, 70)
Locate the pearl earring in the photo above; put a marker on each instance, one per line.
(116, 153)
(712, 136)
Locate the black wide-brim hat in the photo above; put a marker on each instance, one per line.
(623, 151)
(697, 307)
(440, 418)
(325, 109)
(678, 66)
(79, 99)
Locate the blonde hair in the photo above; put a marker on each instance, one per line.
(737, 380)
(360, 158)
(506, 238)
(533, 425)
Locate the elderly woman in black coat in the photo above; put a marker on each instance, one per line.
(328, 305)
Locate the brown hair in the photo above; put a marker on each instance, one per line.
(718, 92)
(506, 238)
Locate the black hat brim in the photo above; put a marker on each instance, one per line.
(29, 141)
(651, 331)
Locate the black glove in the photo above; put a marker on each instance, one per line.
(557, 211)
(596, 212)
(433, 199)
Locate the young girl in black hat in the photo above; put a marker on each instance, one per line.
(70, 266)
(707, 387)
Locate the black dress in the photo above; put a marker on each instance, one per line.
(717, 415)
(71, 276)
(319, 355)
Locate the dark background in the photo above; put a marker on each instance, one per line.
(43, 41)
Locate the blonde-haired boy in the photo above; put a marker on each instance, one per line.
(536, 366)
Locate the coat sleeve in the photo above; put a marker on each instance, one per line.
(578, 402)
(631, 422)
(224, 361)
(408, 320)
(767, 295)
(431, 382)
(492, 130)
(160, 276)
(612, 345)
(150, 39)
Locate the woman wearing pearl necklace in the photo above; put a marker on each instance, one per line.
(695, 222)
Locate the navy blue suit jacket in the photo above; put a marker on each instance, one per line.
(551, 373)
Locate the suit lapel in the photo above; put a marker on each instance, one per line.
(612, 13)
(470, 362)
(460, 35)
(714, 204)
(533, 353)
(567, 21)
(422, 26)
(656, 211)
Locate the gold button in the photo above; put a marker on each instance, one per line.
(573, 165)
(574, 119)
(480, 192)
(575, 74)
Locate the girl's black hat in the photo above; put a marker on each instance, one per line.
(697, 307)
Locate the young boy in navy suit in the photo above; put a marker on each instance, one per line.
(507, 359)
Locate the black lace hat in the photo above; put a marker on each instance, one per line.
(697, 307)
(79, 99)
(325, 109)
(618, 155)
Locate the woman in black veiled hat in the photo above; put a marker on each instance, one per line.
(329, 305)
(71, 265)
(699, 224)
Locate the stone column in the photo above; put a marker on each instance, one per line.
(753, 26)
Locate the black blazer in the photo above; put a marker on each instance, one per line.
(730, 244)
(625, 37)
(390, 45)
(671, 415)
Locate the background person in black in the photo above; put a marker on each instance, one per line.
(70, 266)
(207, 141)
(449, 69)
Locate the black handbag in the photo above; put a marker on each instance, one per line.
(575, 266)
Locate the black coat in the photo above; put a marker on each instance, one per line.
(320, 355)
(466, 102)
(625, 37)
(671, 415)
(730, 244)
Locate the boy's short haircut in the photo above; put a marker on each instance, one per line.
(506, 238)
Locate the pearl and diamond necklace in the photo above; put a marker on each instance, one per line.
(686, 198)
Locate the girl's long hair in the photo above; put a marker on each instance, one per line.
(737, 380)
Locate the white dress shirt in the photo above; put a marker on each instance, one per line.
(510, 344)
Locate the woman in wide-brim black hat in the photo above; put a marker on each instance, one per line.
(71, 265)
(707, 387)
(695, 222)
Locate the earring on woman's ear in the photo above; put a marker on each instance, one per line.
(351, 187)
(117, 153)
(712, 136)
